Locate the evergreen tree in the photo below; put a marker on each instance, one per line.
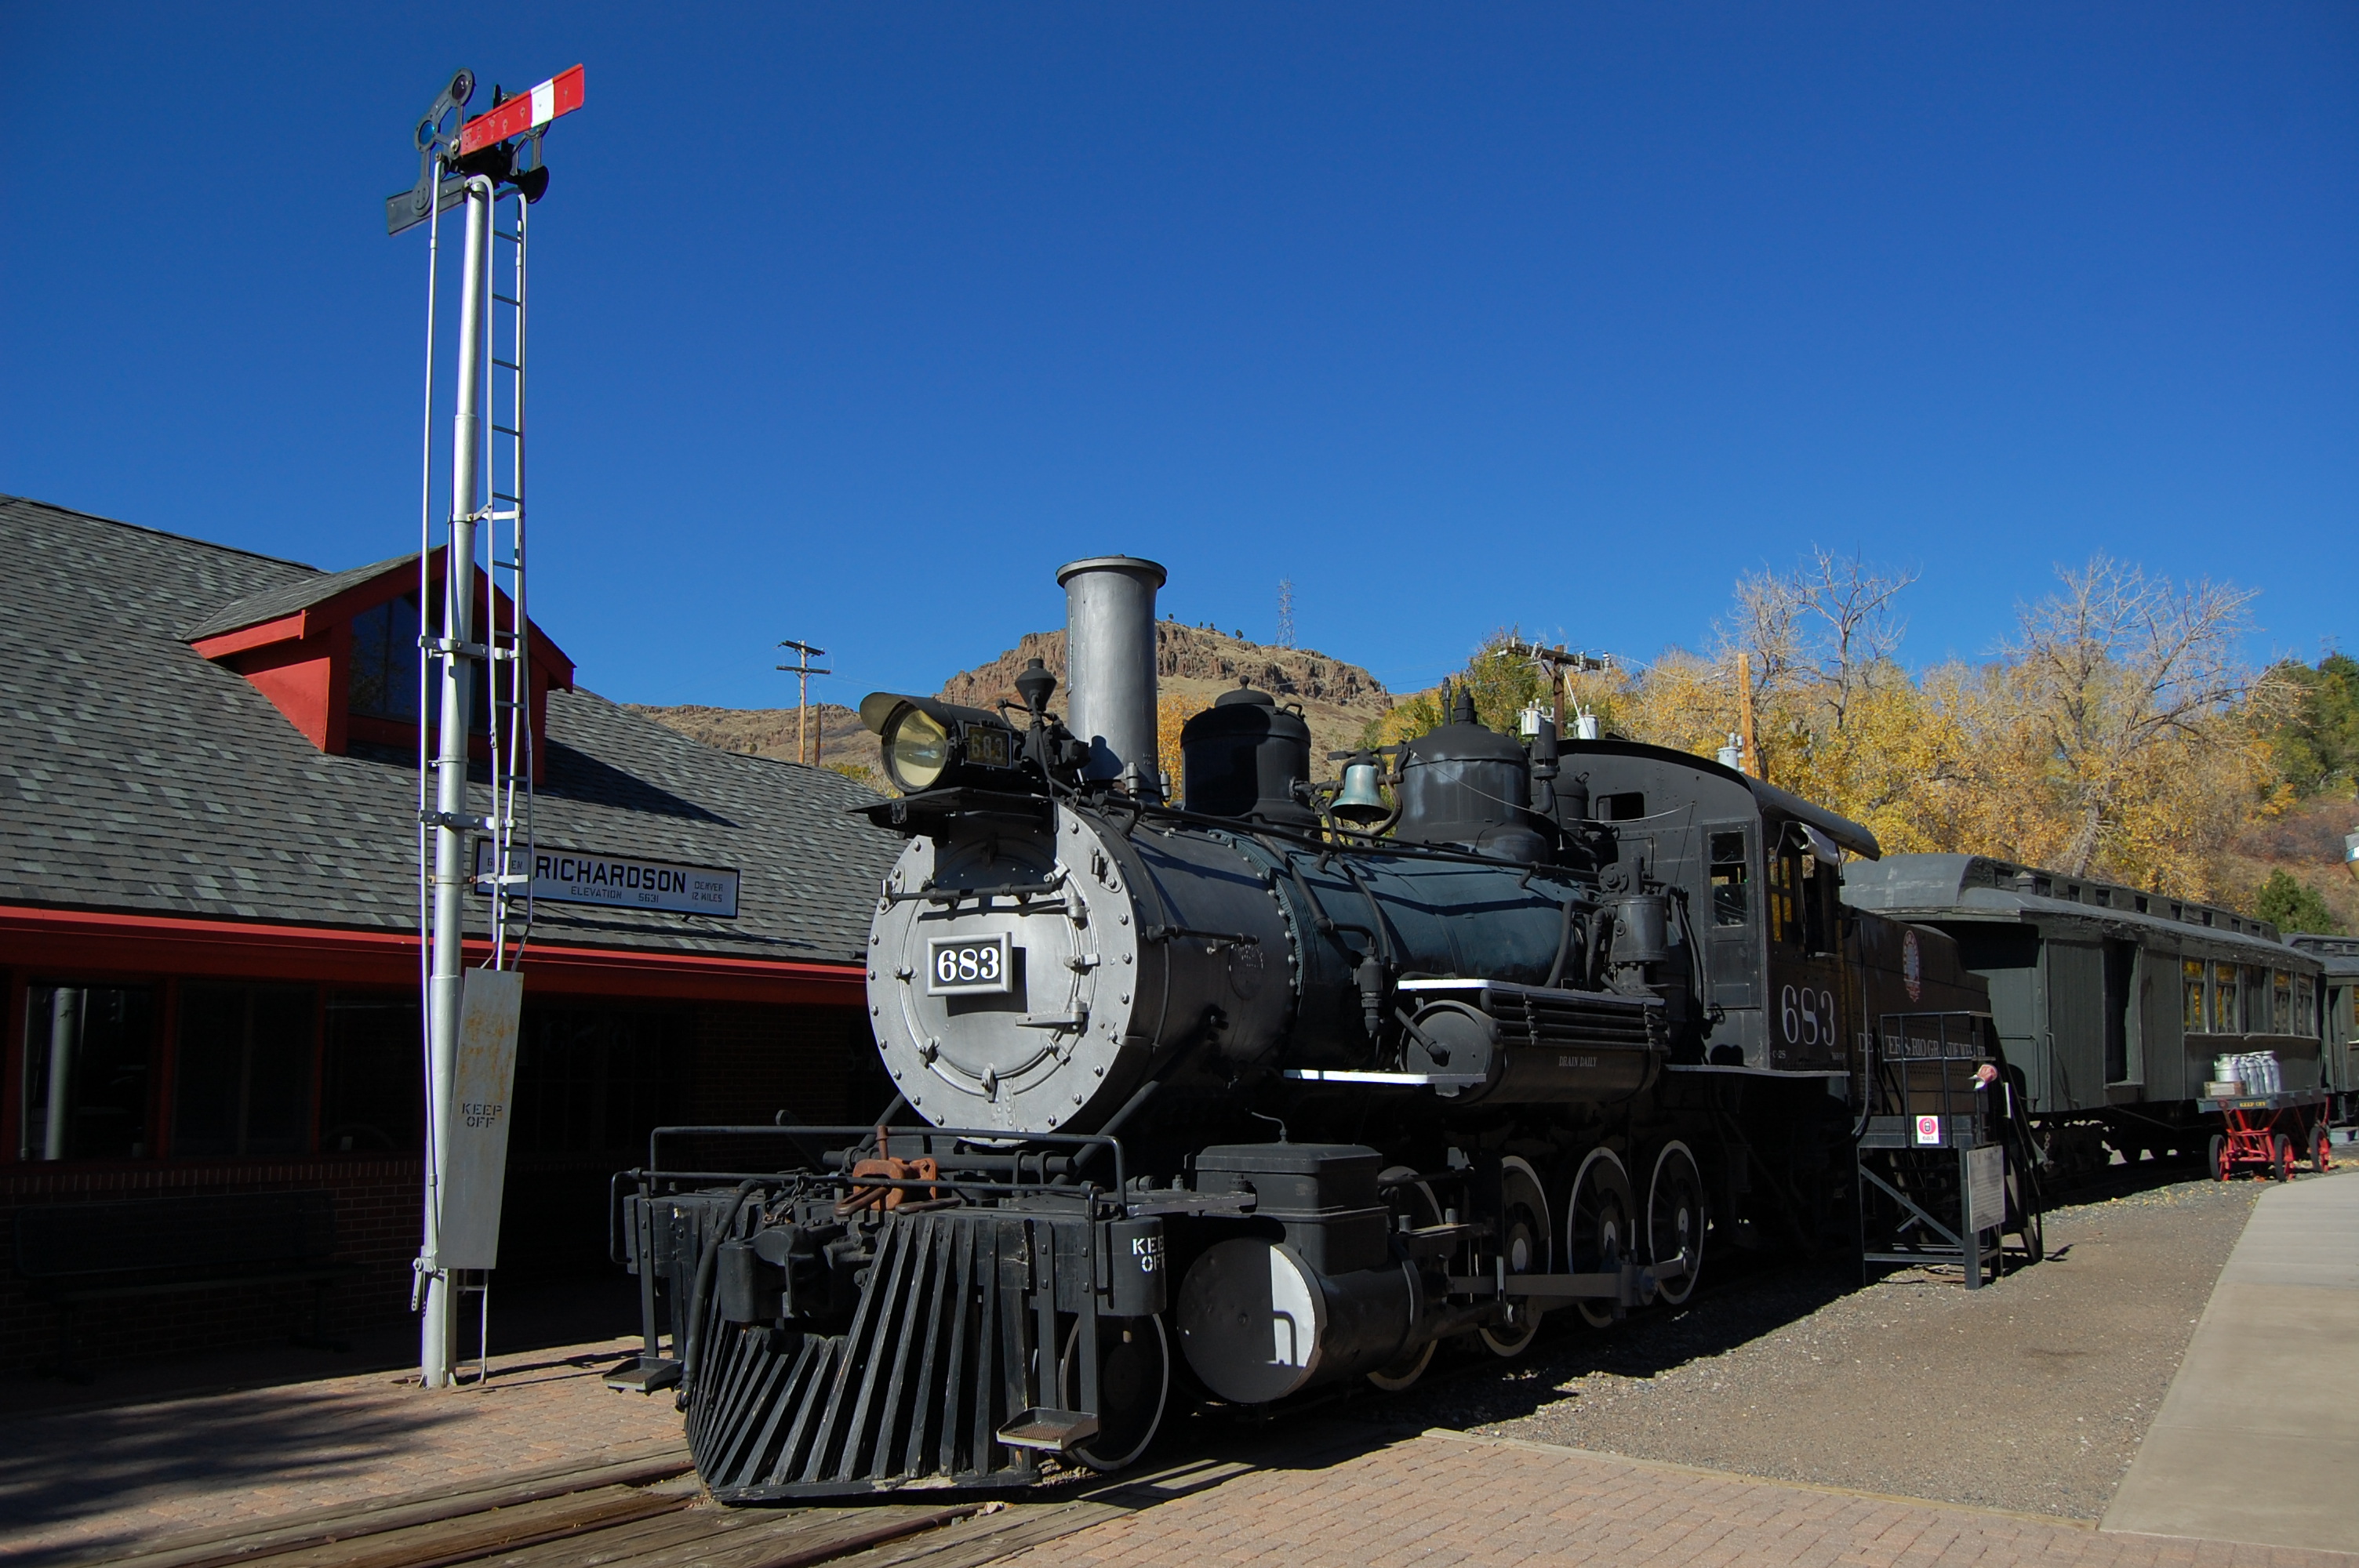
(2316, 738)
(2290, 905)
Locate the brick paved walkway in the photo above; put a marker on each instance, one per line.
(78, 1485)
(1442, 1498)
(83, 1482)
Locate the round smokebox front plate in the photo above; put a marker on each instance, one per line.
(1251, 1320)
(997, 1012)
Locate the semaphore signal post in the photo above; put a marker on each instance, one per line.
(470, 1017)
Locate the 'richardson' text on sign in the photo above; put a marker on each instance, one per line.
(621, 881)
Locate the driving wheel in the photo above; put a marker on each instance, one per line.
(1674, 1220)
(1599, 1227)
(1524, 1241)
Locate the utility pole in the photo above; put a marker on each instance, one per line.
(802, 669)
(1563, 663)
(1748, 760)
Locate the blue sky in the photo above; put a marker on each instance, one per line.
(853, 322)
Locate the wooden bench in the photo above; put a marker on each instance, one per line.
(72, 1253)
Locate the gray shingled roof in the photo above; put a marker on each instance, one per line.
(287, 597)
(135, 774)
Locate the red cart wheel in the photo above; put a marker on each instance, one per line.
(2221, 1165)
(2284, 1162)
(2319, 1160)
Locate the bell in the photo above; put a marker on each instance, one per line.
(1358, 802)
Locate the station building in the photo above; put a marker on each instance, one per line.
(209, 918)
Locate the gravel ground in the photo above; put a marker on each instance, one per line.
(2030, 1395)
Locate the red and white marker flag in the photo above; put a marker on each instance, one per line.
(560, 94)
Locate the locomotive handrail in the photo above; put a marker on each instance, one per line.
(1081, 1141)
(1256, 828)
(935, 893)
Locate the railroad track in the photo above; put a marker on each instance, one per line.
(647, 1510)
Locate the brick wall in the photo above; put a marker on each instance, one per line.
(738, 1064)
(378, 1210)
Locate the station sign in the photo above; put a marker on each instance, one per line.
(621, 881)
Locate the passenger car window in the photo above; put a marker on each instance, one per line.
(2191, 1016)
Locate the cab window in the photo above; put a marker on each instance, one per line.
(1732, 894)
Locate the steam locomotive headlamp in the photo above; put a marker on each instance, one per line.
(929, 744)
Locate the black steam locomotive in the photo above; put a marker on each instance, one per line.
(1275, 1091)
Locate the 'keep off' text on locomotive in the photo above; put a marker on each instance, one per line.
(1279, 1090)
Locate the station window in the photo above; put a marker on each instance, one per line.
(2191, 1013)
(2223, 999)
(601, 1077)
(372, 1090)
(242, 1082)
(88, 1054)
(1732, 896)
(383, 682)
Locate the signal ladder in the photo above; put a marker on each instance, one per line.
(503, 865)
(509, 686)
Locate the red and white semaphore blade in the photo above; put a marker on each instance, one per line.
(560, 94)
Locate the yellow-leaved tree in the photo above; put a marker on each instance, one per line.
(2115, 734)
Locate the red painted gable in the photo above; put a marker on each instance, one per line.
(302, 662)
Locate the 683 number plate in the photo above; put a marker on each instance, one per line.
(958, 965)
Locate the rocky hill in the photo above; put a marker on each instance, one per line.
(2305, 843)
(1193, 665)
(770, 731)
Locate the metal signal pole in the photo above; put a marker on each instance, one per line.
(458, 654)
(802, 669)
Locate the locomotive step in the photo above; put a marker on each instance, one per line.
(1051, 1430)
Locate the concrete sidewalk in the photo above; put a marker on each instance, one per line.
(2258, 1438)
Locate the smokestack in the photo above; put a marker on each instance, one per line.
(1110, 667)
